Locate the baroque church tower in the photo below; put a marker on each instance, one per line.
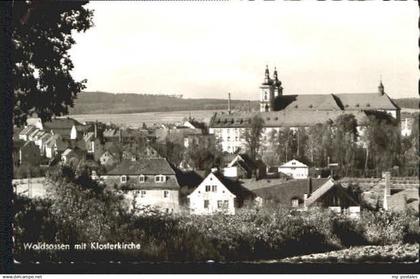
(270, 89)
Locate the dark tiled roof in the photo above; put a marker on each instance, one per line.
(235, 187)
(27, 130)
(365, 101)
(283, 193)
(306, 102)
(146, 166)
(62, 123)
(133, 183)
(279, 118)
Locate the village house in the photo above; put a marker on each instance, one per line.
(217, 194)
(388, 193)
(54, 146)
(242, 166)
(108, 159)
(24, 134)
(295, 169)
(72, 153)
(29, 154)
(146, 183)
(68, 128)
(311, 192)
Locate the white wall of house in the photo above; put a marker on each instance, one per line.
(166, 201)
(230, 172)
(406, 127)
(73, 133)
(210, 197)
(295, 169)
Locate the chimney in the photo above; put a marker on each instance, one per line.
(305, 197)
(120, 135)
(229, 105)
(95, 126)
(387, 190)
(309, 185)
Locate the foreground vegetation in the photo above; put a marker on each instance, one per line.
(91, 215)
(406, 253)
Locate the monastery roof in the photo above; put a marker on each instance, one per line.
(365, 101)
(307, 102)
(279, 118)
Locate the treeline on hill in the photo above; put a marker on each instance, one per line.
(412, 103)
(101, 102)
(81, 211)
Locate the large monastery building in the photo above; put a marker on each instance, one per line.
(294, 111)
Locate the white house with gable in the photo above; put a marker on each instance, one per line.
(210, 197)
(295, 169)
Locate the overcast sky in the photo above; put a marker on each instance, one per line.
(207, 49)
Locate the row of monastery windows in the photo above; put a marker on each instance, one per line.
(158, 178)
(221, 204)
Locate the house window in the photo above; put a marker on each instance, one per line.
(226, 204)
(295, 202)
(160, 178)
(207, 188)
(142, 178)
(142, 194)
(123, 179)
(213, 188)
(219, 204)
(165, 194)
(206, 203)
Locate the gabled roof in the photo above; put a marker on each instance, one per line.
(292, 118)
(27, 130)
(146, 166)
(405, 199)
(63, 123)
(233, 186)
(293, 164)
(110, 133)
(89, 136)
(365, 101)
(45, 137)
(67, 152)
(283, 193)
(306, 102)
(324, 189)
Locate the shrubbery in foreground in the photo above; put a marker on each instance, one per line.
(251, 234)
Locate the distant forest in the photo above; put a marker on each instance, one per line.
(412, 103)
(102, 102)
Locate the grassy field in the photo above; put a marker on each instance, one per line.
(137, 119)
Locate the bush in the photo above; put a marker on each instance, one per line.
(251, 234)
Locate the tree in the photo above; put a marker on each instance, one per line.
(42, 37)
(344, 143)
(382, 142)
(252, 136)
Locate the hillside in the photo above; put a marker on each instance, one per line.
(102, 102)
(412, 103)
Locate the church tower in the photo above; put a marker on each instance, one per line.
(267, 93)
(278, 90)
(381, 89)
